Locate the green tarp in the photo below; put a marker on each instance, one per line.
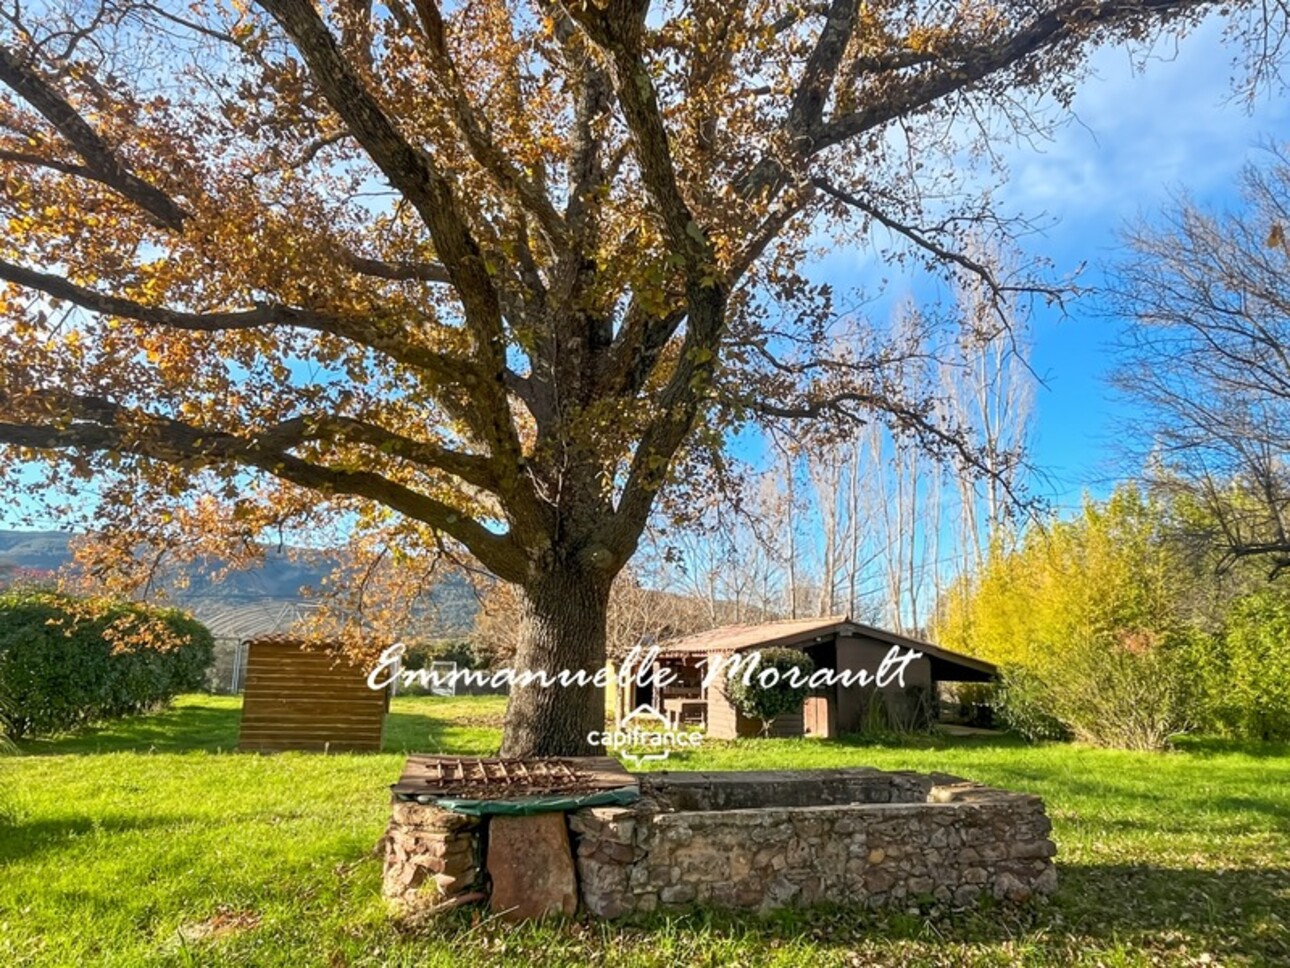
(525, 806)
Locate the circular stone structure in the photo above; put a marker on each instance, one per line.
(759, 841)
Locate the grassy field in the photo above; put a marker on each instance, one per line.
(149, 842)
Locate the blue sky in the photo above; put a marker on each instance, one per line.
(1137, 139)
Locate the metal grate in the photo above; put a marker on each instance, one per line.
(429, 777)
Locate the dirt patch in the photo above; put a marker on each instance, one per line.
(222, 924)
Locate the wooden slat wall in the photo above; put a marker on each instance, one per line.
(726, 722)
(723, 720)
(297, 699)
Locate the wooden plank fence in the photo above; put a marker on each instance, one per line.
(299, 698)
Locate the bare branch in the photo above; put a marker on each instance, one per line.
(921, 238)
(906, 419)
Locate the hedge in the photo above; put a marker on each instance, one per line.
(67, 661)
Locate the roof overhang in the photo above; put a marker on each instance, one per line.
(947, 666)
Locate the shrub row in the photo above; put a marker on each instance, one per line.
(67, 661)
(1112, 627)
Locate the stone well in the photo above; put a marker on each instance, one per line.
(759, 841)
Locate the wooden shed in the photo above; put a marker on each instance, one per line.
(301, 696)
(836, 643)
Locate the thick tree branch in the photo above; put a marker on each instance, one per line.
(806, 109)
(977, 62)
(475, 469)
(53, 164)
(617, 28)
(98, 424)
(821, 69)
(418, 179)
(394, 344)
(946, 73)
(100, 159)
(482, 147)
(638, 348)
(396, 271)
(678, 406)
(411, 171)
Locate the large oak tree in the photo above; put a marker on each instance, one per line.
(487, 277)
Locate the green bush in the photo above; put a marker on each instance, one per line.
(1024, 704)
(764, 696)
(1128, 691)
(1103, 621)
(1247, 681)
(66, 661)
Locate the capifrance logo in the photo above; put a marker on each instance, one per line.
(645, 734)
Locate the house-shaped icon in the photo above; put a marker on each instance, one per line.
(646, 719)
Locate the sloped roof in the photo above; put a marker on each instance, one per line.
(245, 620)
(736, 638)
(799, 633)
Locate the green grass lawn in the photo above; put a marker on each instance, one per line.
(150, 842)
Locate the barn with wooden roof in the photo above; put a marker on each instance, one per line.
(835, 643)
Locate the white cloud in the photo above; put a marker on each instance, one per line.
(1139, 136)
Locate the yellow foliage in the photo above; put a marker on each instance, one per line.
(1107, 573)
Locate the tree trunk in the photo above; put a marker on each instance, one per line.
(562, 627)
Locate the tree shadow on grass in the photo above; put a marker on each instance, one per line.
(212, 725)
(1235, 914)
(936, 741)
(1232, 812)
(192, 726)
(25, 839)
(1269, 808)
(421, 733)
(1217, 746)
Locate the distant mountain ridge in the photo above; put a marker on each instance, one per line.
(249, 601)
(38, 550)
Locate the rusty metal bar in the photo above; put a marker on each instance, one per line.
(489, 777)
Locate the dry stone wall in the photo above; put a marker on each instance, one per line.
(760, 841)
(432, 856)
(962, 842)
